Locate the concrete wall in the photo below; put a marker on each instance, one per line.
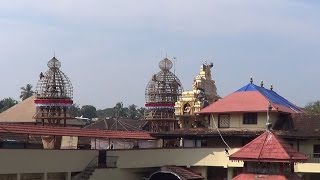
(237, 118)
(180, 157)
(40, 161)
(114, 174)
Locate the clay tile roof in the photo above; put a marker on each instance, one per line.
(251, 98)
(121, 124)
(182, 172)
(268, 147)
(66, 131)
(245, 176)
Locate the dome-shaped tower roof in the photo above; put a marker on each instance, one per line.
(164, 87)
(54, 84)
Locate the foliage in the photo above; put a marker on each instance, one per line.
(313, 107)
(26, 92)
(74, 110)
(132, 112)
(88, 111)
(7, 103)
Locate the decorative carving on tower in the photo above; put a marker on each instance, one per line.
(203, 93)
(162, 91)
(53, 96)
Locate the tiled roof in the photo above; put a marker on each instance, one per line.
(304, 126)
(252, 98)
(268, 147)
(211, 132)
(66, 131)
(183, 173)
(121, 124)
(245, 176)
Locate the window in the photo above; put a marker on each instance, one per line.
(224, 120)
(249, 118)
(316, 150)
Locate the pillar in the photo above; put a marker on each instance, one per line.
(45, 176)
(18, 176)
(230, 173)
(68, 176)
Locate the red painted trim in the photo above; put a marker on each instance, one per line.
(53, 101)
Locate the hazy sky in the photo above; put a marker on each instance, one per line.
(110, 49)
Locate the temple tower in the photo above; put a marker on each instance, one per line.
(53, 96)
(162, 91)
(203, 93)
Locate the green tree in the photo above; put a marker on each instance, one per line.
(7, 103)
(313, 107)
(141, 111)
(26, 92)
(88, 111)
(132, 111)
(74, 110)
(120, 111)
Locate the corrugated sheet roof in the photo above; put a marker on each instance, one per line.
(252, 98)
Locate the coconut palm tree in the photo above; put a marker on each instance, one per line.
(26, 92)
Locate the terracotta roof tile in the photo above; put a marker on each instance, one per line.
(268, 147)
(183, 172)
(66, 131)
(246, 176)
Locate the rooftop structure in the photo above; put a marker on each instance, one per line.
(162, 91)
(252, 98)
(53, 95)
(268, 157)
(203, 93)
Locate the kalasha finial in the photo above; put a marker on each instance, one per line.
(261, 83)
(165, 64)
(271, 87)
(251, 80)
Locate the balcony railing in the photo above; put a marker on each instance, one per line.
(313, 158)
(112, 161)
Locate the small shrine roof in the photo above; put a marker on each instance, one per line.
(252, 98)
(268, 147)
(183, 172)
(247, 176)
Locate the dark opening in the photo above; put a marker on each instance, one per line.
(164, 176)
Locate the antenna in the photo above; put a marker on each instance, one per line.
(268, 124)
(174, 65)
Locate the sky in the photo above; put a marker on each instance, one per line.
(110, 49)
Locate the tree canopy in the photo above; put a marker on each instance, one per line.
(313, 107)
(26, 92)
(7, 103)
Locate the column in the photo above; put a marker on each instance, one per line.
(68, 176)
(230, 173)
(18, 176)
(45, 176)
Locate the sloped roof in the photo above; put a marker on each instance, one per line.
(183, 172)
(21, 112)
(66, 131)
(121, 124)
(247, 176)
(252, 98)
(268, 147)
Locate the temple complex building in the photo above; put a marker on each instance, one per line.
(162, 91)
(203, 93)
(268, 157)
